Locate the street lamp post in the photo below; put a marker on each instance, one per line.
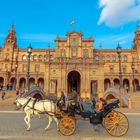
(119, 51)
(29, 50)
(133, 72)
(15, 80)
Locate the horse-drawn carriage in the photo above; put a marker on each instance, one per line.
(115, 123)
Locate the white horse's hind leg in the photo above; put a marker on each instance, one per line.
(25, 119)
(49, 123)
(56, 120)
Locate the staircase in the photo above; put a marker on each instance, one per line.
(10, 97)
(135, 100)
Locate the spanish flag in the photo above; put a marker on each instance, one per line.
(72, 22)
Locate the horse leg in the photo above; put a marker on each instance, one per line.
(49, 123)
(28, 122)
(56, 120)
(25, 119)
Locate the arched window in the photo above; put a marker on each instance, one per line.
(114, 58)
(125, 58)
(107, 58)
(85, 53)
(45, 57)
(24, 57)
(1, 55)
(40, 57)
(74, 52)
(35, 58)
(51, 58)
(96, 58)
(63, 53)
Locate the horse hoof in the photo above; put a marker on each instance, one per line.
(27, 129)
(46, 129)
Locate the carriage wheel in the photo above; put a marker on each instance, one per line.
(67, 126)
(116, 123)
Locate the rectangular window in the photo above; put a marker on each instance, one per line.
(37, 67)
(24, 68)
(53, 86)
(124, 69)
(111, 68)
(94, 87)
(1, 55)
(85, 53)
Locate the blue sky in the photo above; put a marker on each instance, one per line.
(39, 21)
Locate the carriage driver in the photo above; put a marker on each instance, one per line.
(71, 98)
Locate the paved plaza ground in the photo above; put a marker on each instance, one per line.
(12, 127)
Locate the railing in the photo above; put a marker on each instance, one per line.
(74, 60)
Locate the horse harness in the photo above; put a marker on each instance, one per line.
(24, 104)
(34, 102)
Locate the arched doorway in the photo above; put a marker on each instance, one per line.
(31, 82)
(74, 81)
(107, 84)
(22, 83)
(12, 81)
(117, 83)
(136, 84)
(126, 85)
(1, 81)
(41, 83)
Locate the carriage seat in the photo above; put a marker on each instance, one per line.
(86, 110)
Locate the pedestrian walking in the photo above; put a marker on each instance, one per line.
(3, 95)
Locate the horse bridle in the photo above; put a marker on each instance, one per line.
(24, 105)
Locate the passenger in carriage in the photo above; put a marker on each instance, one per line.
(93, 103)
(71, 98)
(86, 105)
(101, 104)
(62, 97)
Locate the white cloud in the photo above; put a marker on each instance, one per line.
(111, 41)
(117, 12)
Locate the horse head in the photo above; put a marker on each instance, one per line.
(60, 104)
(21, 101)
(17, 103)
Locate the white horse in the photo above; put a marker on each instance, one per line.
(43, 106)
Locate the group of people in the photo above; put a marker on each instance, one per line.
(7, 87)
(86, 103)
(22, 92)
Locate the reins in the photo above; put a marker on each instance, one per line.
(26, 103)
